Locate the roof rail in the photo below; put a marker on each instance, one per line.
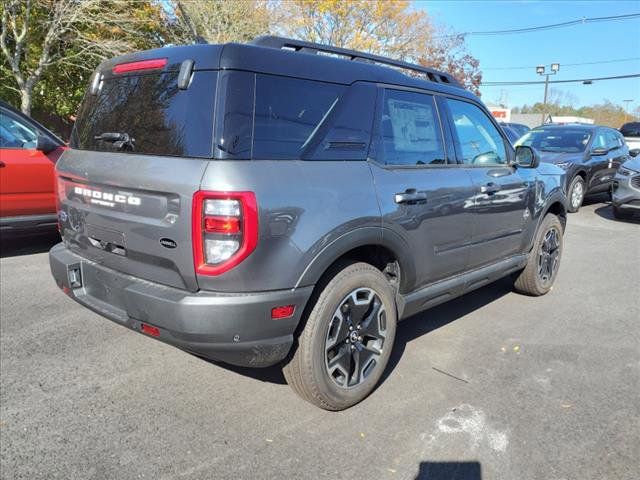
(314, 48)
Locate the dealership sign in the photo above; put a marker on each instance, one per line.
(501, 114)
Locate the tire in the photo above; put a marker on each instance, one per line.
(541, 270)
(576, 193)
(322, 369)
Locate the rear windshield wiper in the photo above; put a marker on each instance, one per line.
(121, 141)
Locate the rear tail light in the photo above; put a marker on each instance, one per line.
(225, 230)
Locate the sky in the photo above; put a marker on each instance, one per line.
(589, 42)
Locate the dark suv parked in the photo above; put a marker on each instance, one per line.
(287, 201)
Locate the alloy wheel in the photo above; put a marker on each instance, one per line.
(576, 195)
(549, 255)
(355, 338)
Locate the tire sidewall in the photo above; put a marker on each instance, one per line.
(549, 222)
(335, 292)
(577, 179)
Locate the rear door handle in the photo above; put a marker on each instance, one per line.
(490, 188)
(411, 195)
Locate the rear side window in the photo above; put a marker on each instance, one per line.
(288, 113)
(160, 118)
(410, 130)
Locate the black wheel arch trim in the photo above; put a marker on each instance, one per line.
(360, 237)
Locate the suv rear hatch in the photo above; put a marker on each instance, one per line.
(140, 146)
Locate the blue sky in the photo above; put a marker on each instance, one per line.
(589, 42)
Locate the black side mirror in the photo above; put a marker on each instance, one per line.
(598, 151)
(527, 157)
(634, 152)
(45, 145)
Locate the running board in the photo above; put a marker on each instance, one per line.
(453, 287)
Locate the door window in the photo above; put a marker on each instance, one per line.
(410, 130)
(612, 140)
(599, 141)
(15, 134)
(479, 139)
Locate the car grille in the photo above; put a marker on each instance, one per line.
(635, 181)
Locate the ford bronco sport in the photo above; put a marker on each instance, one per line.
(283, 201)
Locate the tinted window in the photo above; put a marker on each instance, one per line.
(234, 115)
(565, 140)
(288, 113)
(612, 139)
(600, 141)
(479, 139)
(410, 130)
(631, 129)
(161, 118)
(15, 134)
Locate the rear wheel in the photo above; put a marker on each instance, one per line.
(576, 193)
(541, 270)
(347, 340)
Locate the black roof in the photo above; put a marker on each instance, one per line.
(280, 56)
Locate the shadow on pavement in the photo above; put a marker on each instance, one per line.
(449, 471)
(407, 331)
(28, 244)
(606, 212)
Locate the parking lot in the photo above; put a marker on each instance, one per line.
(491, 385)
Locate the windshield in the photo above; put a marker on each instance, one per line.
(556, 140)
(149, 114)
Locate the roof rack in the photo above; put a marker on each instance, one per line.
(315, 48)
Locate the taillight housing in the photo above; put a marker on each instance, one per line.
(225, 230)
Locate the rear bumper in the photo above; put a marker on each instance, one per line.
(232, 328)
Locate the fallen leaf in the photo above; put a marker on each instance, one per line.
(391, 470)
(361, 435)
(516, 348)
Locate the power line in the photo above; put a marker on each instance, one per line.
(583, 20)
(578, 80)
(599, 62)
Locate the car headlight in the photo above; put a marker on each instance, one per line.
(626, 172)
(563, 165)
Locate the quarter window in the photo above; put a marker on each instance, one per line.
(410, 130)
(479, 139)
(288, 114)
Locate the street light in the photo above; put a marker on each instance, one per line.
(541, 70)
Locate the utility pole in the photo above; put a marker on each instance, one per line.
(626, 108)
(540, 70)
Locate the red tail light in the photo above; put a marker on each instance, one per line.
(141, 65)
(225, 230)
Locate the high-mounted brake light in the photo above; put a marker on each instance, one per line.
(141, 65)
(225, 230)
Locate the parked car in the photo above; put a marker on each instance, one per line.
(28, 153)
(631, 133)
(625, 195)
(519, 128)
(512, 135)
(257, 204)
(590, 155)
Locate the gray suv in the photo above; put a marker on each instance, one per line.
(284, 201)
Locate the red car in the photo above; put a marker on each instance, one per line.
(28, 154)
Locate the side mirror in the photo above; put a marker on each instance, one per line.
(45, 145)
(598, 151)
(634, 152)
(527, 157)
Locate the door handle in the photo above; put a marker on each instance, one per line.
(490, 188)
(411, 195)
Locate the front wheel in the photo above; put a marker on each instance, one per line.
(541, 270)
(577, 190)
(347, 339)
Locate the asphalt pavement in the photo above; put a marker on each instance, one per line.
(493, 385)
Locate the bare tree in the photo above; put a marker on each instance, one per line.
(60, 32)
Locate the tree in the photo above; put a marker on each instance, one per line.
(55, 38)
(220, 21)
(384, 27)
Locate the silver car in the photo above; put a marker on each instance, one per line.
(626, 189)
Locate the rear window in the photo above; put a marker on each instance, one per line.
(630, 129)
(160, 118)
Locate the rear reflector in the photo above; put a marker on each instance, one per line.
(142, 65)
(150, 330)
(284, 311)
